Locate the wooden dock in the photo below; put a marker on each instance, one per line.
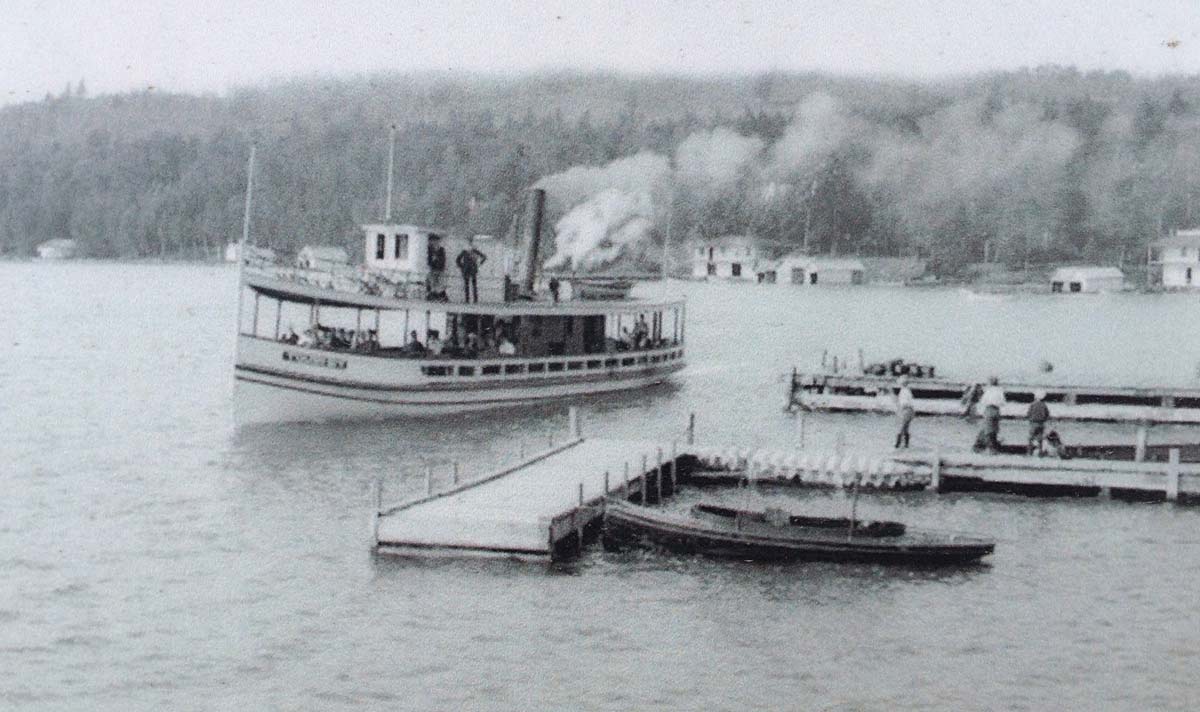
(542, 507)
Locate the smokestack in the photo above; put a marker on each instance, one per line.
(534, 208)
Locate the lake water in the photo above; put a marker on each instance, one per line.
(153, 556)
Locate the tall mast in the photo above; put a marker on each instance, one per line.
(667, 243)
(242, 245)
(249, 195)
(387, 209)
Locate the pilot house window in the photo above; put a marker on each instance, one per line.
(401, 246)
(380, 246)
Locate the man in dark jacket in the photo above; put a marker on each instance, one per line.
(468, 262)
(1038, 415)
(436, 258)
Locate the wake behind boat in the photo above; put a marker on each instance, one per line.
(773, 534)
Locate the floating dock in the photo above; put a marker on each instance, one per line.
(543, 507)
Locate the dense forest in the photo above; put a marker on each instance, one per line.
(1028, 166)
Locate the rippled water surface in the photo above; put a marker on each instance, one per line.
(155, 557)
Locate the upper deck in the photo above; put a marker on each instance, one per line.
(358, 288)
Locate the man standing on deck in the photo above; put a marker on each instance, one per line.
(468, 262)
(904, 411)
(436, 259)
(1038, 414)
(992, 400)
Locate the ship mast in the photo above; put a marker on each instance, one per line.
(387, 209)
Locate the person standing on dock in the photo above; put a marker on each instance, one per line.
(992, 400)
(904, 411)
(1038, 414)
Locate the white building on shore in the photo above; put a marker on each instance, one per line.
(729, 257)
(60, 249)
(814, 270)
(1179, 258)
(1087, 279)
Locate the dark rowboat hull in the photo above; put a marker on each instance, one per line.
(626, 525)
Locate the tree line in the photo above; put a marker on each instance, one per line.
(1026, 166)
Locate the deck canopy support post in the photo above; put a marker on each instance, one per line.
(626, 479)
(254, 326)
(658, 476)
(454, 477)
(935, 477)
(579, 521)
(691, 429)
(645, 474)
(405, 339)
(1173, 475)
(674, 477)
(429, 479)
(1139, 448)
(278, 316)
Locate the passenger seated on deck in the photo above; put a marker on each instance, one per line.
(414, 346)
(309, 340)
(506, 348)
(433, 343)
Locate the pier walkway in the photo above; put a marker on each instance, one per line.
(537, 508)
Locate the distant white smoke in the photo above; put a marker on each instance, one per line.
(595, 233)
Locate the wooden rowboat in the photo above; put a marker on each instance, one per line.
(776, 535)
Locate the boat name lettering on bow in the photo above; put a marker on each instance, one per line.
(309, 359)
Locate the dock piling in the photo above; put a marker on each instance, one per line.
(1173, 475)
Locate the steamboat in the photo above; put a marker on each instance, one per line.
(391, 337)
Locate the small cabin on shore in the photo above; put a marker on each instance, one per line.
(1087, 279)
(729, 257)
(60, 249)
(810, 270)
(322, 257)
(1179, 258)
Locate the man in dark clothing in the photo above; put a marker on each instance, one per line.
(436, 258)
(468, 262)
(1038, 414)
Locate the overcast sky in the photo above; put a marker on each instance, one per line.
(212, 45)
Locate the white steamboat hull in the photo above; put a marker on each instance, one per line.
(282, 383)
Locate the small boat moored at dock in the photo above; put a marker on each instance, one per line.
(773, 534)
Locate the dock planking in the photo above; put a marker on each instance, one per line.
(536, 508)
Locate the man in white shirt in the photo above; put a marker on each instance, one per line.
(904, 411)
(991, 401)
(506, 347)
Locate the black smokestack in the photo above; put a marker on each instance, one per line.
(534, 209)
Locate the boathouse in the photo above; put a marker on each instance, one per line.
(807, 269)
(729, 257)
(322, 257)
(1179, 258)
(1087, 279)
(60, 249)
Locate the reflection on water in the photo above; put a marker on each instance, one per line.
(158, 558)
